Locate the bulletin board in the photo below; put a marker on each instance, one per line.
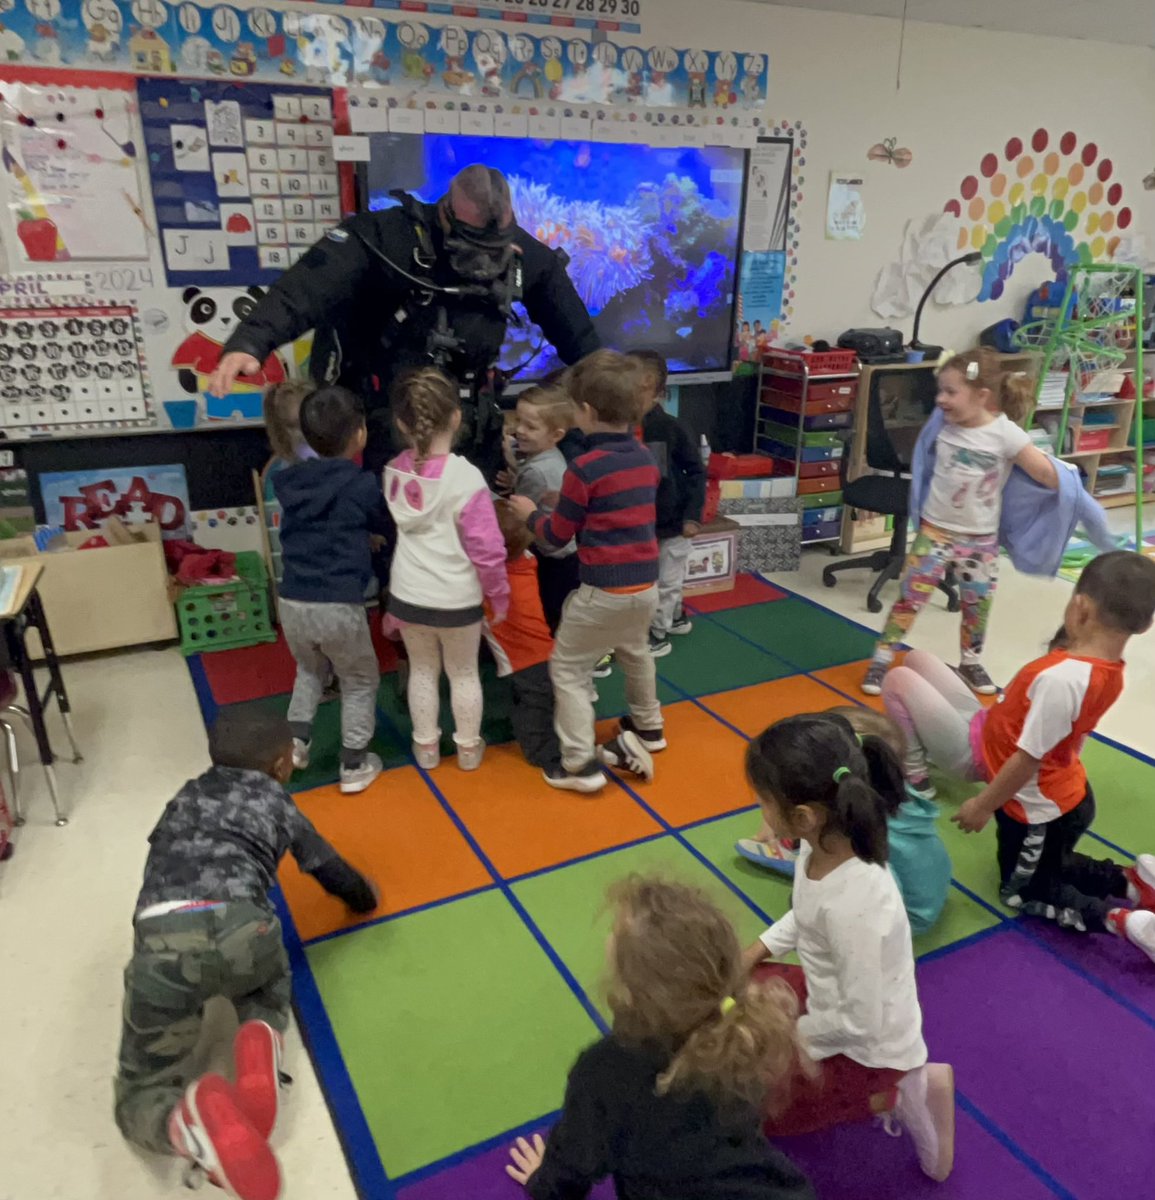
(67, 153)
(243, 177)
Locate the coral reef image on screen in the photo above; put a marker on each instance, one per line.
(651, 233)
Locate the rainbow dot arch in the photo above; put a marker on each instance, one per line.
(1047, 194)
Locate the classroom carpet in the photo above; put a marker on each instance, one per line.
(444, 1025)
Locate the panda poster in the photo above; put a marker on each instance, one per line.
(209, 316)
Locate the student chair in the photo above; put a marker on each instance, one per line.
(9, 708)
(889, 449)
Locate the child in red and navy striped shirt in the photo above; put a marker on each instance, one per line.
(607, 504)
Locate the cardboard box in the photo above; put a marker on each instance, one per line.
(712, 562)
(771, 533)
(100, 599)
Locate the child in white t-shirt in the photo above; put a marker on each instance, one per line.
(862, 1024)
(979, 445)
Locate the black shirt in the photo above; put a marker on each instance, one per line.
(674, 1147)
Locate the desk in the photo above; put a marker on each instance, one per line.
(25, 610)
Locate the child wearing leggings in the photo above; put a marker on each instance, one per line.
(450, 558)
(958, 527)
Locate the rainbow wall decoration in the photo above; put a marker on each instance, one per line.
(1050, 196)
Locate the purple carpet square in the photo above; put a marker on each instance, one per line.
(1058, 1066)
(481, 1177)
(1124, 968)
(857, 1161)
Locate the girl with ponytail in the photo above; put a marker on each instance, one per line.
(448, 569)
(669, 1103)
(819, 782)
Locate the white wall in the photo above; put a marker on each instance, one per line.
(964, 92)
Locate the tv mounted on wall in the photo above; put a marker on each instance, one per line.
(652, 234)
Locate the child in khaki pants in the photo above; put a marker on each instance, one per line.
(607, 503)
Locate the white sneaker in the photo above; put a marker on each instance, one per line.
(628, 751)
(357, 779)
(1137, 926)
(469, 757)
(300, 754)
(427, 754)
(925, 1109)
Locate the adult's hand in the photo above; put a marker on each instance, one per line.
(229, 367)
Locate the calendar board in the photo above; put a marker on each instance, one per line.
(72, 369)
(243, 177)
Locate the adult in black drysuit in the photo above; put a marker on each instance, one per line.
(375, 318)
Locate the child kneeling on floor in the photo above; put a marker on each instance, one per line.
(450, 557)
(204, 927)
(669, 1103)
(521, 647)
(862, 1019)
(330, 507)
(607, 503)
(1026, 748)
(917, 858)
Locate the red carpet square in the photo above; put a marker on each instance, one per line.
(254, 672)
(747, 589)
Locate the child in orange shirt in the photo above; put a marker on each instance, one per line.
(521, 647)
(1027, 748)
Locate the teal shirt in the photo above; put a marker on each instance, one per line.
(919, 860)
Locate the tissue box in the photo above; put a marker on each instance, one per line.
(771, 538)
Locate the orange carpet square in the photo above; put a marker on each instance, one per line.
(523, 824)
(396, 833)
(751, 709)
(700, 774)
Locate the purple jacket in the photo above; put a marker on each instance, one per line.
(1036, 522)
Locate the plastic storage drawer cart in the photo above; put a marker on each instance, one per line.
(225, 616)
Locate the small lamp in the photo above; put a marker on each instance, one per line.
(932, 352)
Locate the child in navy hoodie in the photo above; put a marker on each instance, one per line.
(330, 507)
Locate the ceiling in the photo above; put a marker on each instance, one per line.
(1126, 22)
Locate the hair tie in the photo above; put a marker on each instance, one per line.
(972, 371)
(727, 1003)
(841, 773)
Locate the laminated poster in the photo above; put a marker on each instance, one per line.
(68, 153)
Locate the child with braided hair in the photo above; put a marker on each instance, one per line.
(450, 558)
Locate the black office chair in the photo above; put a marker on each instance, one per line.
(886, 450)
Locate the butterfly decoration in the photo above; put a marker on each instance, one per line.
(1149, 182)
(885, 151)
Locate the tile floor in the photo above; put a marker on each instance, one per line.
(67, 895)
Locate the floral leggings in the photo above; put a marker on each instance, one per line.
(974, 558)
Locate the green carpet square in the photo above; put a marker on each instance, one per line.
(569, 904)
(612, 693)
(325, 747)
(453, 1024)
(712, 659)
(771, 892)
(1124, 797)
(807, 637)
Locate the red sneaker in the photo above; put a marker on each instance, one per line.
(257, 1054)
(208, 1128)
(1142, 878)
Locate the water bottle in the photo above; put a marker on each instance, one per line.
(704, 450)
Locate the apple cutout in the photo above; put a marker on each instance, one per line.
(39, 236)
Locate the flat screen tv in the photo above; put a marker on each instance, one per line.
(652, 233)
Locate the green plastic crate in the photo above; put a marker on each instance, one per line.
(225, 616)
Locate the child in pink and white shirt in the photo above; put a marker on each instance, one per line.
(450, 558)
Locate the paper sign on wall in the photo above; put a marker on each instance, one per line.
(845, 210)
(351, 148)
(68, 153)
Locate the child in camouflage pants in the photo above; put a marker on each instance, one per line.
(204, 927)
